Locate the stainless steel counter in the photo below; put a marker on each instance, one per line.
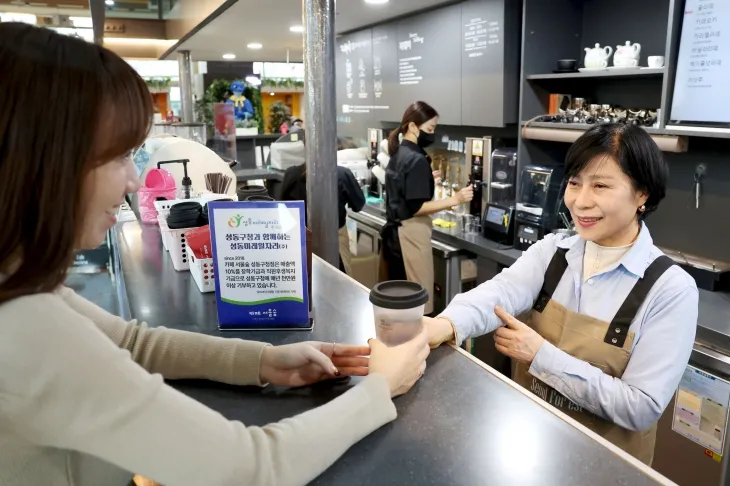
(462, 424)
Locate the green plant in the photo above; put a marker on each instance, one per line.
(249, 123)
(218, 89)
(287, 83)
(279, 114)
(204, 113)
(158, 84)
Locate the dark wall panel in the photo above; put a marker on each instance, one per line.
(677, 224)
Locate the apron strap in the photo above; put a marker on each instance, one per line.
(553, 275)
(617, 332)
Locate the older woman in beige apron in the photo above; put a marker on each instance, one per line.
(606, 345)
(611, 320)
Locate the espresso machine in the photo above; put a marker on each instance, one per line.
(499, 216)
(538, 205)
(477, 170)
(375, 137)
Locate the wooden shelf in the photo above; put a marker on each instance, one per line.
(569, 133)
(584, 126)
(698, 132)
(609, 73)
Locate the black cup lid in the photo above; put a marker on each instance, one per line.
(252, 190)
(398, 294)
(185, 206)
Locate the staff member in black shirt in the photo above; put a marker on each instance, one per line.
(349, 193)
(409, 185)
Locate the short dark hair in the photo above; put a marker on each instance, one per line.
(68, 106)
(635, 152)
(419, 113)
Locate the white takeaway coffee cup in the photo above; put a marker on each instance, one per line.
(398, 307)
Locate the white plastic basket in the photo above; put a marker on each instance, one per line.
(202, 272)
(162, 223)
(174, 242)
(163, 207)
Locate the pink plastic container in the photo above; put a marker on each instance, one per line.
(159, 179)
(158, 183)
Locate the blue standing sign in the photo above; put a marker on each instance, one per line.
(260, 261)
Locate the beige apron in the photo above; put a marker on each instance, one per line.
(602, 344)
(344, 239)
(415, 245)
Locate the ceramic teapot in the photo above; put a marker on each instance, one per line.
(597, 58)
(627, 55)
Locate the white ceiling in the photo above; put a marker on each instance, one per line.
(267, 22)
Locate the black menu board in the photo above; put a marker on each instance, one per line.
(429, 62)
(482, 63)
(353, 60)
(461, 59)
(389, 106)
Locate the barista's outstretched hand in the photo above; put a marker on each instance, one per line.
(306, 363)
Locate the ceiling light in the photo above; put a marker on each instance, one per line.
(254, 45)
(376, 2)
(229, 56)
(272, 94)
(297, 28)
(110, 2)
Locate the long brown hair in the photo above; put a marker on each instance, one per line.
(67, 106)
(418, 113)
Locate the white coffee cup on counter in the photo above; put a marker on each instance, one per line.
(656, 62)
(398, 307)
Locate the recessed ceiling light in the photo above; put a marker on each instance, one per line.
(272, 94)
(229, 56)
(254, 45)
(109, 2)
(296, 28)
(376, 1)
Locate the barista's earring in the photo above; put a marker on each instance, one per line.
(642, 208)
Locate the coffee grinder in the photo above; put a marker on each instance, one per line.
(538, 205)
(499, 220)
(375, 137)
(477, 169)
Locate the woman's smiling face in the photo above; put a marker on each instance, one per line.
(603, 203)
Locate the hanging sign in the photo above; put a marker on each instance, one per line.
(259, 256)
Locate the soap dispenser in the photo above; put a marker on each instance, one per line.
(186, 188)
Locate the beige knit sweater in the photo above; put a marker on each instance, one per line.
(83, 403)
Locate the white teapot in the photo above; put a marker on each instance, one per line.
(597, 58)
(627, 55)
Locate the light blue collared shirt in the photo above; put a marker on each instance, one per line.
(665, 326)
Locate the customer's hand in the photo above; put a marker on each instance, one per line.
(401, 365)
(306, 363)
(439, 331)
(465, 195)
(516, 339)
(436, 176)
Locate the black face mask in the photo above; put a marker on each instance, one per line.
(426, 139)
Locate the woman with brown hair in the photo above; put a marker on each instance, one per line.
(82, 401)
(409, 186)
